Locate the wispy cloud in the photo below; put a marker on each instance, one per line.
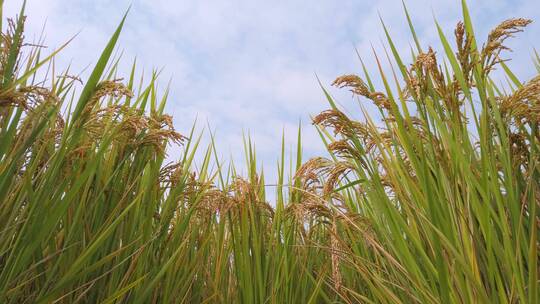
(251, 65)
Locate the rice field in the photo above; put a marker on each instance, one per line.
(434, 200)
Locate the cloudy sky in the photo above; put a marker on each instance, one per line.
(250, 65)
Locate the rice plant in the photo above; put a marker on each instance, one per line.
(435, 199)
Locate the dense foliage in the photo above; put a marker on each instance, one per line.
(438, 203)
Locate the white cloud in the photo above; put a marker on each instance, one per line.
(250, 65)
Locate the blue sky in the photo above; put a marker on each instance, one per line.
(251, 65)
